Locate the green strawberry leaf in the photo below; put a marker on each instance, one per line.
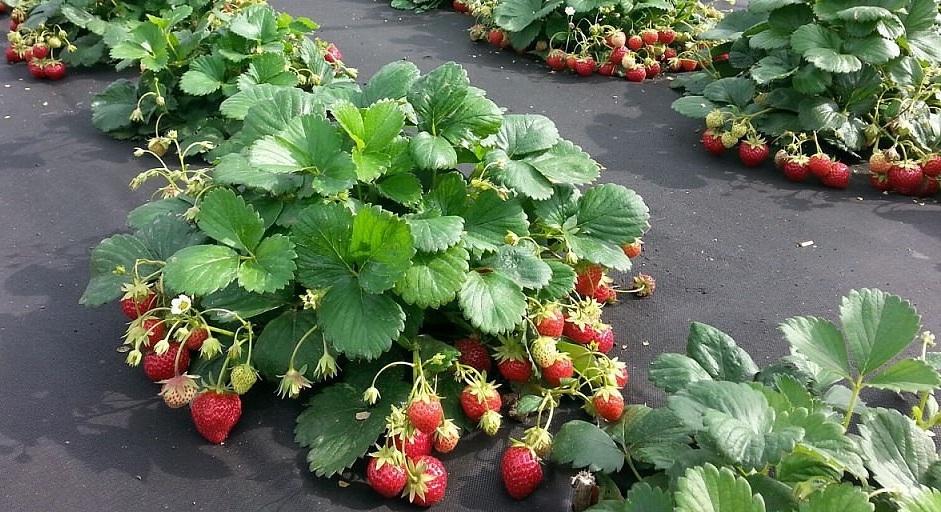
(897, 452)
(226, 217)
(877, 326)
(358, 323)
(717, 353)
(148, 44)
(492, 302)
(310, 145)
(338, 428)
(488, 219)
(201, 269)
(928, 500)
(433, 232)
(112, 265)
(708, 489)
(560, 284)
(274, 347)
(432, 152)
(271, 266)
(735, 420)
(243, 303)
(516, 15)
(434, 279)
(447, 106)
(909, 375)
(520, 264)
(673, 372)
(111, 108)
(392, 81)
(644, 432)
(520, 135)
(584, 445)
(844, 497)
(205, 76)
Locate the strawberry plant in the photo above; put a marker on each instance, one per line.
(333, 239)
(228, 49)
(611, 38)
(733, 436)
(820, 79)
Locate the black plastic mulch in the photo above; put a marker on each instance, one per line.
(79, 430)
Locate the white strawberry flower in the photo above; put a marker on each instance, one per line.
(180, 305)
(570, 11)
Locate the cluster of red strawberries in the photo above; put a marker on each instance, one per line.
(165, 358)
(920, 178)
(404, 464)
(35, 48)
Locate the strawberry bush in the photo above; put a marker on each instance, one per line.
(612, 38)
(823, 81)
(53, 35)
(733, 436)
(405, 231)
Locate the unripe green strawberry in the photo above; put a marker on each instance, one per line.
(490, 422)
(243, 377)
(544, 351)
(739, 130)
(715, 119)
(729, 139)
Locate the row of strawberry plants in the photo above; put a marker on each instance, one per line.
(825, 80)
(331, 229)
(734, 436)
(634, 40)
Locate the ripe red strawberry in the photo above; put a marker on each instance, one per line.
(12, 55)
(14, 25)
(880, 182)
(688, 64)
(839, 176)
(215, 414)
(652, 69)
(427, 481)
(928, 188)
(416, 446)
(617, 55)
(561, 369)
(496, 37)
(633, 249)
(570, 61)
(426, 413)
(156, 330)
(160, 367)
(583, 335)
(819, 165)
(36, 69)
(196, 338)
(722, 57)
(605, 339)
(621, 377)
(606, 69)
(616, 39)
(516, 370)
(906, 177)
(40, 51)
(635, 74)
(446, 437)
(669, 53)
(635, 42)
(650, 36)
(666, 36)
(931, 166)
(521, 471)
(459, 6)
(589, 279)
(478, 398)
(605, 294)
(474, 354)
(585, 66)
(385, 474)
(333, 54)
(712, 142)
(753, 152)
(550, 322)
(795, 168)
(608, 403)
(134, 308)
(556, 59)
(54, 70)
